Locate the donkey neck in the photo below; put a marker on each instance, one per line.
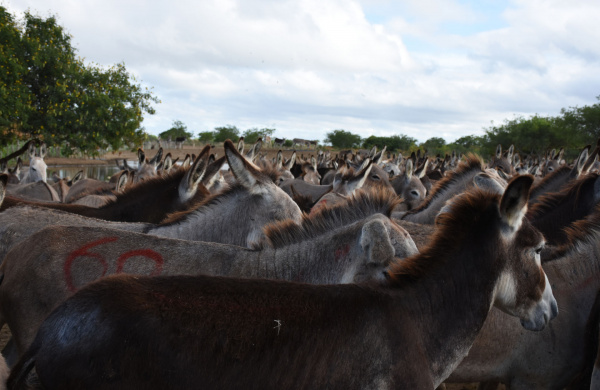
(331, 258)
(451, 304)
(227, 218)
(578, 269)
(445, 190)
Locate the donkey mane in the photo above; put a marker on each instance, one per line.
(470, 209)
(548, 179)
(202, 205)
(147, 187)
(473, 162)
(359, 206)
(583, 232)
(570, 194)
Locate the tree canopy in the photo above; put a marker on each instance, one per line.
(178, 129)
(49, 93)
(343, 139)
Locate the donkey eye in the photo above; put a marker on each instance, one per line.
(539, 250)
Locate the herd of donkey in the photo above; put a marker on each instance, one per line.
(355, 271)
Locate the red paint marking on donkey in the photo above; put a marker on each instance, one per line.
(84, 252)
(342, 252)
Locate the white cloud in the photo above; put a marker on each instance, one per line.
(369, 66)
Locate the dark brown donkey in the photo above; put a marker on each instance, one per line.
(408, 332)
(150, 200)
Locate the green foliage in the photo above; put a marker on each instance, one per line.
(583, 121)
(206, 136)
(434, 146)
(393, 143)
(288, 143)
(252, 135)
(178, 129)
(343, 139)
(221, 134)
(467, 144)
(56, 97)
(533, 135)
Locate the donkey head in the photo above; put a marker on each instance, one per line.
(523, 289)
(409, 187)
(271, 203)
(147, 169)
(37, 166)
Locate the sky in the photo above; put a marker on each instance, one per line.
(422, 68)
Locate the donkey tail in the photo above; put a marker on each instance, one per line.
(21, 376)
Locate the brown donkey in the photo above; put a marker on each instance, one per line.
(408, 332)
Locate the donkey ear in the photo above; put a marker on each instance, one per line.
(186, 161)
(168, 163)
(313, 162)
(240, 145)
(246, 174)
(122, 181)
(141, 157)
(290, 163)
(511, 151)
(3, 181)
(156, 159)
(375, 242)
(191, 179)
(363, 174)
(499, 151)
(43, 150)
(409, 169)
(31, 150)
(279, 161)
(78, 176)
(582, 160)
(513, 204)
(213, 172)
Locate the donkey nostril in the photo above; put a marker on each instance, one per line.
(554, 308)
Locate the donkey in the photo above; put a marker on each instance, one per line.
(560, 177)
(147, 168)
(259, 334)
(148, 201)
(236, 216)
(37, 166)
(556, 211)
(454, 183)
(339, 245)
(552, 358)
(34, 191)
(409, 187)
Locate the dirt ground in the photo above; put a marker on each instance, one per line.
(109, 158)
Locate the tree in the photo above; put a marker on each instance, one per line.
(177, 130)
(206, 136)
(343, 139)
(252, 135)
(434, 145)
(467, 144)
(14, 93)
(63, 101)
(226, 132)
(393, 143)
